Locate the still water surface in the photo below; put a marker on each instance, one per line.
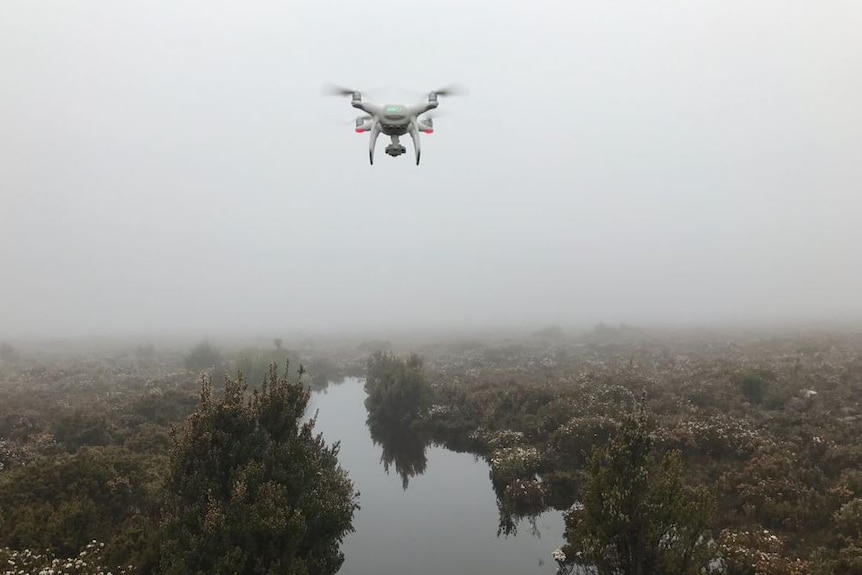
(444, 522)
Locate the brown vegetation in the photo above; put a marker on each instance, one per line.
(769, 423)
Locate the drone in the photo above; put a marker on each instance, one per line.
(394, 120)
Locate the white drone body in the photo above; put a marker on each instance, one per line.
(393, 120)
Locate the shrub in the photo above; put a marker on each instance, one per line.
(203, 356)
(396, 387)
(251, 489)
(637, 517)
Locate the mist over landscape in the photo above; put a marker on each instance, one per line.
(611, 324)
(173, 167)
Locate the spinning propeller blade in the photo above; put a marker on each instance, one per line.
(334, 90)
(450, 90)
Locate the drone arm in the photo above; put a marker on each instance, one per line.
(419, 109)
(360, 105)
(367, 107)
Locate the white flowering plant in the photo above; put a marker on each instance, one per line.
(87, 562)
(760, 552)
(510, 463)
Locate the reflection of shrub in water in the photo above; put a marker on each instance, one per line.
(520, 493)
(519, 500)
(402, 446)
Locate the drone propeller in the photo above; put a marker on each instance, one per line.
(334, 90)
(450, 90)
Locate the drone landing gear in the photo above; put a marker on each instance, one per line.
(414, 135)
(372, 141)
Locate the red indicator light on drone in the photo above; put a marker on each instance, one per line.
(429, 131)
(358, 130)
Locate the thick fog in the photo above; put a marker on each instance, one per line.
(173, 166)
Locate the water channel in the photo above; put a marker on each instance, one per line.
(437, 516)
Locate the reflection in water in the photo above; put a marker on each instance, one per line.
(510, 519)
(445, 523)
(402, 446)
(517, 502)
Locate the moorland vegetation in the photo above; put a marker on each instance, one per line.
(770, 423)
(135, 465)
(740, 451)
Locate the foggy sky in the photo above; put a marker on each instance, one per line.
(172, 165)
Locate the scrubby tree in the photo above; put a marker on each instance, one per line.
(202, 356)
(636, 516)
(396, 387)
(374, 345)
(759, 552)
(754, 387)
(251, 489)
(60, 504)
(551, 334)
(848, 521)
(8, 353)
(145, 353)
(75, 429)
